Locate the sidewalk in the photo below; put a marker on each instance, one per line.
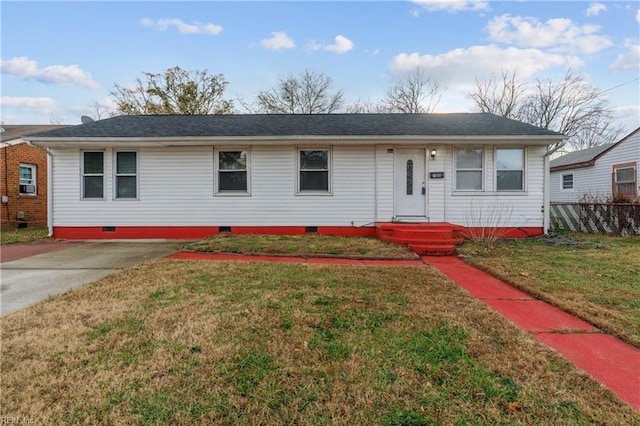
(605, 358)
(608, 360)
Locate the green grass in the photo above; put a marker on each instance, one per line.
(594, 277)
(23, 235)
(301, 245)
(180, 342)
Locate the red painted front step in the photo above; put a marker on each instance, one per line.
(425, 239)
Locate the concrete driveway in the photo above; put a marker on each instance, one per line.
(30, 279)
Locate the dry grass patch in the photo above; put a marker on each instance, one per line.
(178, 342)
(23, 235)
(596, 278)
(302, 245)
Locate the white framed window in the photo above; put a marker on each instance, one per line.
(510, 169)
(126, 175)
(92, 170)
(567, 182)
(625, 183)
(28, 179)
(232, 171)
(469, 166)
(314, 171)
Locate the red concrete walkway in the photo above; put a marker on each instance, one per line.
(11, 252)
(607, 359)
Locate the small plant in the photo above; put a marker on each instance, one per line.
(488, 222)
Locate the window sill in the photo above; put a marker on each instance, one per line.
(232, 194)
(314, 194)
(488, 193)
(28, 195)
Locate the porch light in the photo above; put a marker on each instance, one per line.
(434, 152)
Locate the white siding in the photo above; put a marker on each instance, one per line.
(436, 187)
(175, 188)
(596, 180)
(385, 183)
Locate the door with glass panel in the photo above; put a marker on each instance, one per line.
(410, 186)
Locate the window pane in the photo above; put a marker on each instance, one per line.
(469, 180)
(232, 181)
(126, 187)
(625, 175)
(126, 163)
(510, 159)
(93, 163)
(469, 158)
(314, 181)
(409, 177)
(567, 182)
(93, 187)
(510, 180)
(232, 160)
(26, 174)
(318, 160)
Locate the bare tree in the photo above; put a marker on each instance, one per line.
(309, 92)
(174, 91)
(500, 95)
(365, 106)
(570, 106)
(100, 111)
(417, 93)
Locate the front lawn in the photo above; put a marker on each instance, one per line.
(182, 342)
(23, 235)
(302, 246)
(594, 277)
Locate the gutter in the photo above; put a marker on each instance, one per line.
(546, 198)
(49, 187)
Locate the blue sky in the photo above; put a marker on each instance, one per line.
(59, 58)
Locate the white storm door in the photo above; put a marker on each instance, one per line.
(410, 182)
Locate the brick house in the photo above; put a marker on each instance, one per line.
(23, 173)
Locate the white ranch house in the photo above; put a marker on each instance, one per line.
(341, 174)
(598, 174)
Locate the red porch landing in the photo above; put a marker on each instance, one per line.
(425, 239)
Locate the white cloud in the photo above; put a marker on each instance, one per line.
(463, 66)
(341, 45)
(452, 6)
(183, 27)
(629, 60)
(279, 40)
(560, 34)
(59, 75)
(638, 15)
(595, 9)
(42, 106)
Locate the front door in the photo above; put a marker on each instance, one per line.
(410, 183)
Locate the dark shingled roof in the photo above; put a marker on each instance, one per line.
(16, 131)
(586, 156)
(265, 125)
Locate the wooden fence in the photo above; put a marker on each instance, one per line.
(623, 219)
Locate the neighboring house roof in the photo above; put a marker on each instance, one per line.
(291, 125)
(13, 132)
(585, 157)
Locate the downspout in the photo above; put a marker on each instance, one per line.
(49, 187)
(546, 205)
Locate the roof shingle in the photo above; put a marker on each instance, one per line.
(266, 125)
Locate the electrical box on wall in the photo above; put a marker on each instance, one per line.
(436, 175)
(5, 199)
